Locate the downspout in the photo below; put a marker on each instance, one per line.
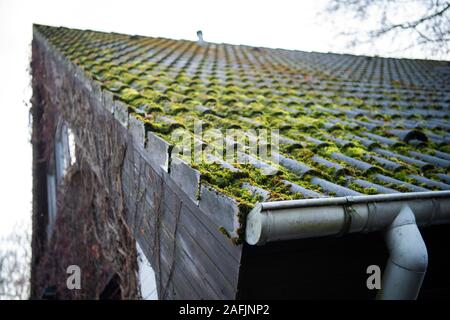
(408, 259)
(399, 215)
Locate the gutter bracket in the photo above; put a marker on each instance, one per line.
(349, 212)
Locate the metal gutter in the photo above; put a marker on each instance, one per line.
(397, 214)
(298, 219)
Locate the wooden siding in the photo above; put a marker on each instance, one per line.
(179, 240)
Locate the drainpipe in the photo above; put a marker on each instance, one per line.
(408, 259)
(398, 214)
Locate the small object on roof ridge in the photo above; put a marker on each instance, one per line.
(200, 37)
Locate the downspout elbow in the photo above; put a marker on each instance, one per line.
(408, 259)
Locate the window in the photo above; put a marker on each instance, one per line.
(63, 157)
(64, 150)
(72, 146)
(147, 280)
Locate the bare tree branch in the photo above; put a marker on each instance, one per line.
(413, 24)
(429, 29)
(15, 254)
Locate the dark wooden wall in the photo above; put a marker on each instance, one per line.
(192, 258)
(334, 268)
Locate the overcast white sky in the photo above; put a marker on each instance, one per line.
(276, 23)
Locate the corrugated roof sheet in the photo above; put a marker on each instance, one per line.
(348, 124)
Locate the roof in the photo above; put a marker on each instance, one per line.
(348, 124)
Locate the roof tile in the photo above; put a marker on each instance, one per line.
(339, 116)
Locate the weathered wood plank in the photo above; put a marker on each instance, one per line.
(171, 195)
(202, 220)
(181, 263)
(210, 250)
(213, 250)
(179, 287)
(221, 281)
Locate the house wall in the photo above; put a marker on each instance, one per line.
(88, 231)
(192, 259)
(40, 218)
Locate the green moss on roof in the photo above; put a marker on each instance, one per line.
(309, 97)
